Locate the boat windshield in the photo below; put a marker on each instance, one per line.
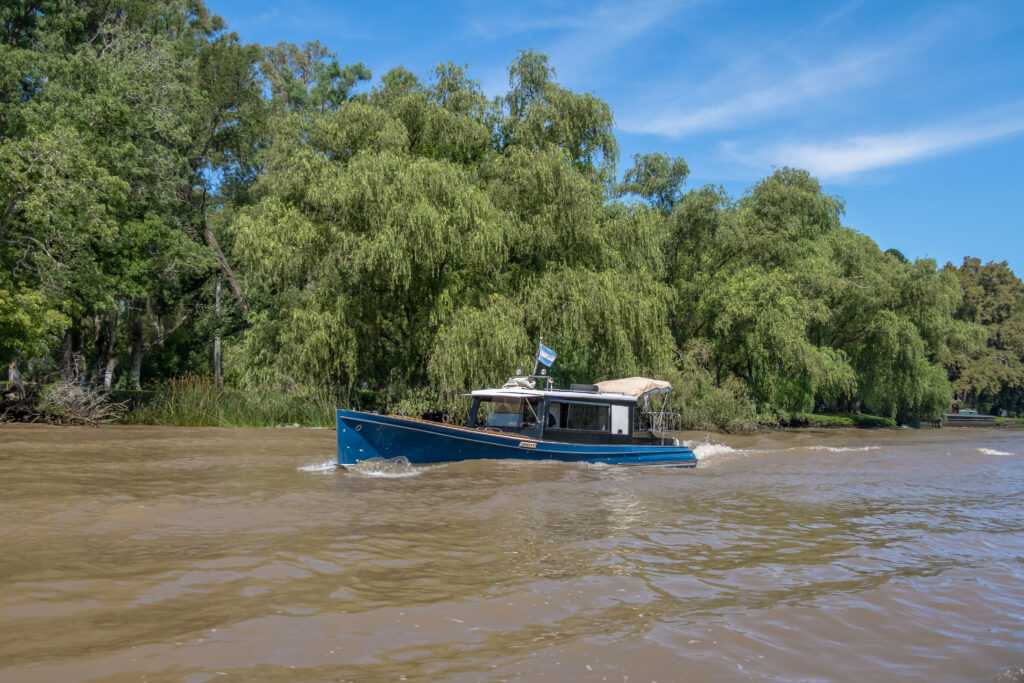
(507, 412)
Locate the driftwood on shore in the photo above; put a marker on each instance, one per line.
(19, 403)
(61, 403)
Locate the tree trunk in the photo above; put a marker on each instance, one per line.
(218, 379)
(225, 268)
(138, 351)
(104, 341)
(14, 377)
(70, 354)
(108, 373)
(136, 367)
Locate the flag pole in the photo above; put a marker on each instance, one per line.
(536, 358)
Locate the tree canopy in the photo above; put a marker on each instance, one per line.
(404, 240)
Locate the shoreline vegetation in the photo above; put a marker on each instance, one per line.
(196, 402)
(257, 234)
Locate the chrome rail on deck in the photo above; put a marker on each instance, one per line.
(657, 423)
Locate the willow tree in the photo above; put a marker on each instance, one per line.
(421, 238)
(807, 313)
(899, 333)
(749, 277)
(362, 246)
(990, 375)
(657, 178)
(541, 113)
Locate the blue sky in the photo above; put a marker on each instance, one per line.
(913, 112)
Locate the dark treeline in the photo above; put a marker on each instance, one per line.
(166, 191)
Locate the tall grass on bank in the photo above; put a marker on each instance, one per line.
(196, 402)
(840, 420)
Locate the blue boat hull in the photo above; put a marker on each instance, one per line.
(367, 435)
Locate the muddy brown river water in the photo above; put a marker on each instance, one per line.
(171, 554)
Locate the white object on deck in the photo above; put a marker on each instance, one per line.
(633, 386)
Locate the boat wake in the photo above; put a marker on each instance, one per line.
(836, 449)
(706, 449)
(992, 451)
(328, 466)
(388, 468)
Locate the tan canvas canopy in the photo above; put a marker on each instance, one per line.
(633, 386)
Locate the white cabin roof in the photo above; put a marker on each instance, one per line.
(517, 392)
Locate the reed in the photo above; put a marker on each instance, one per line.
(840, 420)
(192, 401)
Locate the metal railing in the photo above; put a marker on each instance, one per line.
(657, 423)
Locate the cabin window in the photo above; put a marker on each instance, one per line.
(506, 412)
(588, 417)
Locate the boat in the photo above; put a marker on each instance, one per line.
(615, 422)
(967, 417)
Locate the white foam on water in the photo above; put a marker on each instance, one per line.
(387, 468)
(992, 451)
(328, 466)
(836, 449)
(597, 466)
(706, 449)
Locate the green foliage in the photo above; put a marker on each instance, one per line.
(810, 314)
(656, 178)
(309, 78)
(30, 325)
(189, 401)
(476, 347)
(989, 374)
(397, 245)
(842, 420)
(540, 113)
(704, 401)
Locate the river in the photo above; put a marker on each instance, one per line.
(173, 554)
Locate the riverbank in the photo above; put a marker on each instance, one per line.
(196, 402)
(183, 402)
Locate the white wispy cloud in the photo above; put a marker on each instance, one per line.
(847, 157)
(580, 42)
(679, 120)
(610, 26)
(797, 80)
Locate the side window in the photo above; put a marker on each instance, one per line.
(501, 413)
(589, 417)
(582, 416)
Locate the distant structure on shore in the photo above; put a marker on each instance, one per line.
(966, 417)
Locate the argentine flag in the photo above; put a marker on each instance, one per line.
(546, 356)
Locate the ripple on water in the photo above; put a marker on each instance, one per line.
(837, 449)
(992, 451)
(326, 466)
(371, 467)
(388, 468)
(180, 554)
